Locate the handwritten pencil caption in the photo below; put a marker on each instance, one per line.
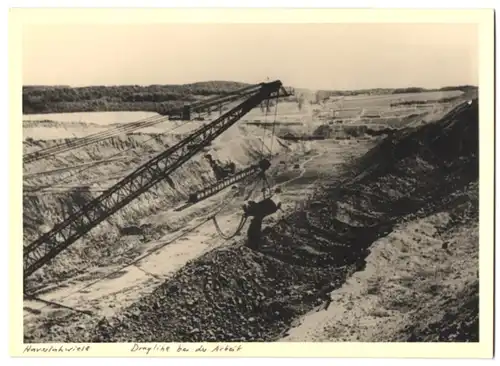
(56, 349)
(180, 349)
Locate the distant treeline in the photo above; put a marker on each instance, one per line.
(463, 88)
(324, 94)
(421, 102)
(157, 98)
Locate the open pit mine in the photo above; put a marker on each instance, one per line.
(264, 213)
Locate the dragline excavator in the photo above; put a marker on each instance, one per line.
(62, 235)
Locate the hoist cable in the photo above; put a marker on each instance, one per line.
(264, 133)
(274, 126)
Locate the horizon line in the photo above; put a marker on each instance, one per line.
(76, 86)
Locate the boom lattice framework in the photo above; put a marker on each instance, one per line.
(226, 182)
(49, 245)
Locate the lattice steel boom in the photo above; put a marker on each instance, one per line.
(50, 244)
(218, 186)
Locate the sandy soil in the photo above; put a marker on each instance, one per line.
(408, 278)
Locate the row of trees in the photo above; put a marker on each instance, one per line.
(43, 99)
(422, 102)
(325, 94)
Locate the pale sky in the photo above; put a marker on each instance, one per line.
(316, 56)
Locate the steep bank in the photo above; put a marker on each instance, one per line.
(420, 282)
(49, 198)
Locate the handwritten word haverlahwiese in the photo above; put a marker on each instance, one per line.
(56, 349)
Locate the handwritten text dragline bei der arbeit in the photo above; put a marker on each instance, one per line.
(179, 349)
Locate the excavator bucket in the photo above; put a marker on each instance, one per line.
(261, 209)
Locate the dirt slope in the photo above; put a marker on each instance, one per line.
(235, 294)
(420, 282)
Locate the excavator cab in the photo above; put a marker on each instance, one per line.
(221, 171)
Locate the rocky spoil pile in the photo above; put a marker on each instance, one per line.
(232, 294)
(238, 294)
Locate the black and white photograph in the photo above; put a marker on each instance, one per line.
(246, 182)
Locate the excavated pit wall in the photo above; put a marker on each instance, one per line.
(50, 198)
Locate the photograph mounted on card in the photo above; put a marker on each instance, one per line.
(300, 188)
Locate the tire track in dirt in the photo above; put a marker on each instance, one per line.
(302, 170)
